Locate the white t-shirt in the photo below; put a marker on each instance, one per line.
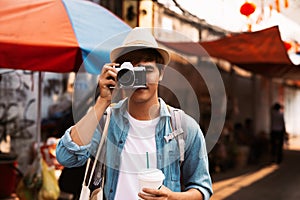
(140, 140)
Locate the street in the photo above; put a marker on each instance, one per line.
(270, 181)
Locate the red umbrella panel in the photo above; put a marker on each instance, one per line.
(55, 35)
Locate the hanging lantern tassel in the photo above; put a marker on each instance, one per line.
(271, 9)
(286, 3)
(277, 4)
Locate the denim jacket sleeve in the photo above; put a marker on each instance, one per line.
(69, 154)
(195, 166)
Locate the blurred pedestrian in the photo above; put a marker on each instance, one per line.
(277, 132)
(251, 141)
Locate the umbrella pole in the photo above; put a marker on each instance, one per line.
(39, 106)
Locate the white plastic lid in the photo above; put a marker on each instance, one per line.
(151, 175)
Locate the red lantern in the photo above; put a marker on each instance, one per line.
(247, 8)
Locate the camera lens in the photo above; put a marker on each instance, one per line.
(125, 77)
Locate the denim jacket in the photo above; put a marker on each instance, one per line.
(195, 171)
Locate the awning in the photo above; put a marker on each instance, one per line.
(262, 52)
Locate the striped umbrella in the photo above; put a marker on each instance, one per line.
(56, 35)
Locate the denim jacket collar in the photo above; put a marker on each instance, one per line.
(121, 108)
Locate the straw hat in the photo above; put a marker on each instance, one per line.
(139, 38)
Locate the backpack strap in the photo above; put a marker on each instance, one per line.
(178, 132)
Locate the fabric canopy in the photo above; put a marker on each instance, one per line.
(56, 36)
(262, 52)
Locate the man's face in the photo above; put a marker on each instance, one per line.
(148, 94)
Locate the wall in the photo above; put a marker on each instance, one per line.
(18, 108)
(263, 103)
(184, 31)
(18, 111)
(292, 110)
(249, 97)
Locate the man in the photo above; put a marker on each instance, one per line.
(277, 133)
(137, 127)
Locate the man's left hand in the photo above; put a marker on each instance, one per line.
(154, 194)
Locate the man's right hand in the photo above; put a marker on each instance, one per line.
(107, 80)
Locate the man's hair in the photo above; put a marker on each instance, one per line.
(142, 55)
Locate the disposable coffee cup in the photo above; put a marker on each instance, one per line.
(150, 178)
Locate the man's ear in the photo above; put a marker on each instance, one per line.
(160, 77)
(162, 71)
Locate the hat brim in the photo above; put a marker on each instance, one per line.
(119, 51)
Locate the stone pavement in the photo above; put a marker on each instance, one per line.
(267, 181)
